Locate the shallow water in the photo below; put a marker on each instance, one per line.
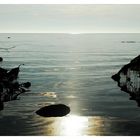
(74, 70)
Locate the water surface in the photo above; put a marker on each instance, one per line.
(72, 69)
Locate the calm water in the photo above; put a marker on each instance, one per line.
(72, 69)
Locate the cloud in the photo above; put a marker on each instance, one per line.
(86, 18)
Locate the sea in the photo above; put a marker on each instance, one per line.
(75, 70)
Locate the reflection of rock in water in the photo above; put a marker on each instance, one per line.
(128, 79)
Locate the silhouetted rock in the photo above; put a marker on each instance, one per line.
(116, 77)
(13, 73)
(26, 85)
(10, 88)
(1, 105)
(57, 110)
(128, 79)
(1, 59)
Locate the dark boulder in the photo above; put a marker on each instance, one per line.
(128, 78)
(57, 110)
(116, 77)
(10, 88)
(1, 59)
(1, 105)
(26, 85)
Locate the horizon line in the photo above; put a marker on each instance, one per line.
(69, 32)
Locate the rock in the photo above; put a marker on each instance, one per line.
(1, 105)
(57, 110)
(128, 78)
(116, 77)
(26, 85)
(10, 88)
(1, 59)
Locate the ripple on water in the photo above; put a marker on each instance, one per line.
(49, 94)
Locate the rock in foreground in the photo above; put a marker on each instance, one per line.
(128, 78)
(57, 110)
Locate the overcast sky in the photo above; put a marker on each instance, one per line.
(70, 18)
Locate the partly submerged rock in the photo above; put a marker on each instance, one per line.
(10, 88)
(128, 78)
(57, 110)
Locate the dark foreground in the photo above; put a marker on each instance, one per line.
(69, 126)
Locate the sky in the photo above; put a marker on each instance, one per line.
(69, 18)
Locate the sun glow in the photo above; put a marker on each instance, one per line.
(74, 125)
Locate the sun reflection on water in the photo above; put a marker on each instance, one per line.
(74, 125)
